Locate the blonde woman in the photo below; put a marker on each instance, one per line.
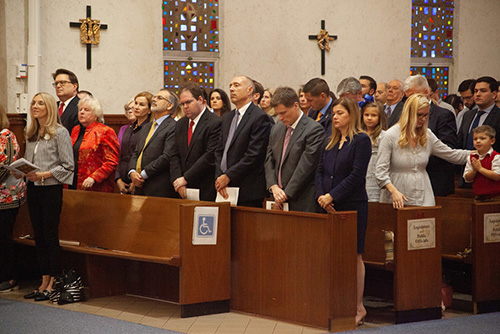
(341, 178)
(403, 155)
(48, 146)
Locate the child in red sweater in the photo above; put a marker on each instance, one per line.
(483, 167)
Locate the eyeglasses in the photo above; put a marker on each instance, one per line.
(159, 97)
(423, 115)
(61, 83)
(186, 103)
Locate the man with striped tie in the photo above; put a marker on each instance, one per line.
(150, 164)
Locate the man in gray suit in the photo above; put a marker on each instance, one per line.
(293, 153)
(150, 164)
(394, 103)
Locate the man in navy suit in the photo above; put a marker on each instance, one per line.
(443, 124)
(149, 166)
(242, 146)
(66, 86)
(394, 102)
(196, 138)
(290, 174)
(317, 93)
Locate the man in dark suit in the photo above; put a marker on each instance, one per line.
(394, 103)
(242, 146)
(293, 154)
(196, 138)
(317, 93)
(443, 124)
(485, 92)
(150, 164)
(66, 86)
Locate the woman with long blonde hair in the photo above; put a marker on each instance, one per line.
(48, 146)
(404, 153)
(341, 178)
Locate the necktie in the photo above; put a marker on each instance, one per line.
(475, 124)
(319, 116)
(190, 131)
(232, 129)
(61, 108)
(387, 110)
(150, 134)
(285, 145)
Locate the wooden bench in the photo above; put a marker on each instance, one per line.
(463, 226)
(416, 279)
(143, 246)
(295, 266)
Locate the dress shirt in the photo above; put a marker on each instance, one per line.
(483, 116)
(196, 120)
(68, 101)
(495, 164)
(242, 111)
(325, 108)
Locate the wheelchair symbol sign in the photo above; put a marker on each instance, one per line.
(205, 226)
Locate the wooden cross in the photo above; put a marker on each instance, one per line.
(324, 43)
(89, 33)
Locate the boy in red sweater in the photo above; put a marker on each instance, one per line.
(483, 167)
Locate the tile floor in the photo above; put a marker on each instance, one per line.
(167, 316)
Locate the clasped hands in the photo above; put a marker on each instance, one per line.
(279, 197)
(137, 179)
(180, 185)
(326, 202)
(220, 185)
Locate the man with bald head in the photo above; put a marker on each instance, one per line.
(240, 157)
(394, 102)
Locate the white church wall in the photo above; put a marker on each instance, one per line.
(373, 39)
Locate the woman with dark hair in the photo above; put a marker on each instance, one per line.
(12, 196)
(142, 112)
(219, 102)
(48, 146)
(95, 149)
(341, 178)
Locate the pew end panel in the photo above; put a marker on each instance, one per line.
(294, 266)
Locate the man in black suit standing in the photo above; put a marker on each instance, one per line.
(196, 139)
(150, 164)
(485, 92)
(317, 93)
(443, 124)
(66, 86)
(394, 102)
(242, 146)
(293, 154)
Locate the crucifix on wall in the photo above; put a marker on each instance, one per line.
(90, 33)
(323, 39)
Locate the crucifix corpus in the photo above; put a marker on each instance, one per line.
(90, 33)
(324, 43)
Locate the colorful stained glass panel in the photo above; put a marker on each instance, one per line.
(440, 74)
(178, 73)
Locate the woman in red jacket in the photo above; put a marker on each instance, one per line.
(95, 148)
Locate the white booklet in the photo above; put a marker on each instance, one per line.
(270, 205)
(193, 194)
(233, 193)
(21, 166)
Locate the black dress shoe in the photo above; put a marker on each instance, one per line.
(41, 296)
(31, 295)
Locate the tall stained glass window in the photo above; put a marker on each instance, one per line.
(432, 39)
(190, 42)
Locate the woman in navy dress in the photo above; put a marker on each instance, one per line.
(341, 177)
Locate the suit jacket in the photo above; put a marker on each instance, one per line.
(396, 114)
(326, 121)
(246, 154)
(493, 120)
(443, 124)
(196, 162)
(156, 159)
(69, 118)
(299, 163)
(342, 173)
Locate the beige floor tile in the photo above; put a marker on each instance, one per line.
(132, 317)
(194, 329)
(230, 330)
(308, 330)
(153, 322)
(258, 331)
(110, 313)
(89, 309)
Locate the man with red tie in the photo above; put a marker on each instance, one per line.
(66, 86)
(196, 138)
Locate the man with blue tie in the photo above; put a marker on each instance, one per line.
(239, 159)
(317, 93)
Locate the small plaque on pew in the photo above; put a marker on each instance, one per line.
(205, 225)
(421, 233)
(491, 227)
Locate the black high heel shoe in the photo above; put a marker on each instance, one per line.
(41, 296)
(31, 295)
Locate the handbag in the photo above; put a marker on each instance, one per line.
(68, 288)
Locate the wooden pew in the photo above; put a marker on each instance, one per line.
(463, 226)
(416, 288)
(143, 246)
(295, 266)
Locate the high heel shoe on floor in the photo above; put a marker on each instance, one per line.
(31, 295)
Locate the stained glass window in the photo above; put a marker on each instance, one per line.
(191, 25)
(178, 73)
(440, 74)
(432, 28)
